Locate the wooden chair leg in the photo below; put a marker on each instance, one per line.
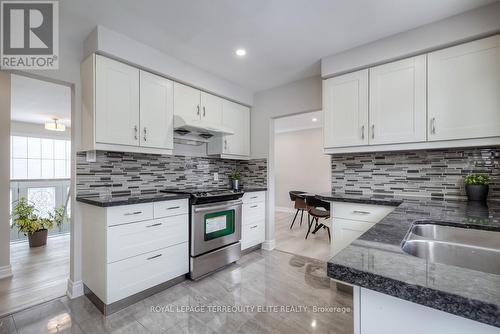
(293, 221)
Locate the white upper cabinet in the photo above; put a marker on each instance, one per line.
(237, 146)
(156, 111)
(211, 108)
(187, 102)
(236, 117)
(116, 102)
(398, 102)
(464, 91)
(345, 106)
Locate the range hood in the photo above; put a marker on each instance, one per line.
(197, 130)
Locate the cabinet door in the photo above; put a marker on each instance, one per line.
(186, 102)
(345, 106)
(156, 111)
(236, 117)
(346, 231)
(463, 89)
(398, 102)
(116, 103)
(211, 108)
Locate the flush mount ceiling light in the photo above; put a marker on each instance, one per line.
(314, 119)
(54, 126)
(240, 52)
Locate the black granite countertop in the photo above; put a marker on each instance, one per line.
(108, 201)
(124, 199)
(376, 261)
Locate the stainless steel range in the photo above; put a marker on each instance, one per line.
(215, 228)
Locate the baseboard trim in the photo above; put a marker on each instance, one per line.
(269, 245)
(5, 271)
(75, 289)
(284, 209)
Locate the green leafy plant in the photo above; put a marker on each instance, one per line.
(477, 179)
(236, 175)
(26, 219)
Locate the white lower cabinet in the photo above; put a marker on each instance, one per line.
(253, 230)
(128, 249)
(141, 272)
(351, 220)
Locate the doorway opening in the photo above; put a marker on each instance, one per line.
(300, 166)
(40, 174)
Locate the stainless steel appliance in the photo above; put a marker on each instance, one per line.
(215, 228)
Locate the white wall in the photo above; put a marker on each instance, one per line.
(4, 174)
(296, 97)
(113, 44)
(300, 164)
(459, 28)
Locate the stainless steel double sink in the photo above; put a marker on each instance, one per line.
(454, 245)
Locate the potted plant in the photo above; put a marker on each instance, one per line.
(476, 187)
(235, 179)
(27, 220)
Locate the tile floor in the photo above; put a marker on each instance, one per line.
(317, 246)
(261, 278)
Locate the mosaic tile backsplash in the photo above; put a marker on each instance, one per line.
(428, 173)
(120, 173)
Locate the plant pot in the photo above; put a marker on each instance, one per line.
(38, 238)
(235, 184)
(476, 192)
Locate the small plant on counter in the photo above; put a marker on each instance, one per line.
(235, 179)
(26, 219)
(476, 187)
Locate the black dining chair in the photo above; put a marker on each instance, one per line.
(299, 205)
(317, 210)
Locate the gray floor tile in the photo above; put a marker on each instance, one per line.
(7, 326)
(260, 278)
(51, 317)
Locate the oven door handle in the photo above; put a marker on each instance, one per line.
(226, 205)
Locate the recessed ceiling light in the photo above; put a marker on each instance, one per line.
(314, 119)
(240, 52)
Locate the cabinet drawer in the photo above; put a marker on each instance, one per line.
(360, 212)
(138, 273)
(346, 231)
(129, 213)
(252, 197)
(253, 234)
(170, 208)
(124, 241)
(253, 212)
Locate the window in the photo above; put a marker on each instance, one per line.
(40, 158)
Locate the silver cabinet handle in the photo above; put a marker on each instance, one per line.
(433, 125)
(153, 225)
(373, 131)
(154, 257)
(204, 111)
(173, 207)
(145, 134)
(133, 213)
(252, 227)
(253, 197)
(359, 212)
(136, 130)
(198, 110)
(362, 132)
(254, 206)
(225, 144)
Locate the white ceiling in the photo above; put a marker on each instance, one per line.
(284, 39)
(299, 122)
(37, 101)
